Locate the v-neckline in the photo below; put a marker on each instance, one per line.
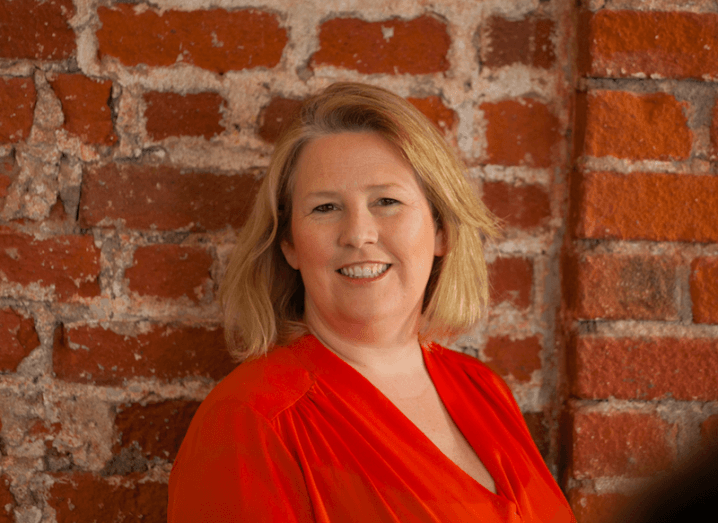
(321, 355)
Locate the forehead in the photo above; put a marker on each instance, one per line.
(351, 159)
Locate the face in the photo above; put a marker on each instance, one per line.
(362, 233)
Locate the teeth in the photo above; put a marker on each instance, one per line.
(370, 270)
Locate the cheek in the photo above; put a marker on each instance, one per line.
(313, 250)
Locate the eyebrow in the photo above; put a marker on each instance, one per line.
(332, 194)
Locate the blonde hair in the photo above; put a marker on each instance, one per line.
(263, 297)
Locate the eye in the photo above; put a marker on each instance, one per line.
(385, 202)
(325, 208)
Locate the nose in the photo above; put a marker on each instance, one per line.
(359, 227)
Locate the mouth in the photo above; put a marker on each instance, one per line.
(365, 270)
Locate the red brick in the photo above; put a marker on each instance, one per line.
(597, 508)
(86, 107)
(704, 289)
(18, 338)
(520, 206)
(216, 39)
(36, 29)
(613, 287)
(172, 114)
(395, 46)
(714, 133)
(631, 444)
(276, 116)
(8, 173)
(98, 355)
(170, 271)
(536, 423)
(526, 42)
(646, 368)
(668, 44)
(83, 498)
(521, 132)
(17, 108)
(158, 428)
(709, 431)
(434, 109)
(648, 206)
(511, 280)
(636, 126)
(40, 428)
(164, 198)
(518, 358)
(7, 500)
(5, 182)
(69, 263)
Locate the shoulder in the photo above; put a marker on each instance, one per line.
(266, 385)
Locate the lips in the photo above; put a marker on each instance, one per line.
(365, 270)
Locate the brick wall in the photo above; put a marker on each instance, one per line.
(132, 136)
(641, 301)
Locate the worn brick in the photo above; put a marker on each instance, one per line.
(215, 39)
(276, 116)
(395, 46)
(709, 431)
(631, 444)
(18, 338)
(714, 133)
(675, 44)
(7, 500)
(612, 287)
(704, 289)
(70, 264)
(520, 206)
(521, 132)
(511, 280)
(164, 198)
(36, 29)
(648, 206)
(157, 428)
(597, 508)
(517, 358)
(434, 109)
(17, 108)
(84, 497)
(100, 355)
(86, 107)
(536, 423)
(172, 114)
(526, 42)
(170, 271)
(635, 126)
(646, 368)
(8, 172)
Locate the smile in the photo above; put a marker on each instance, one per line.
(367, 270)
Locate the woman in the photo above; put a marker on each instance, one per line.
(364, 245)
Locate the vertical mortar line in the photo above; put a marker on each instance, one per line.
(682, 291)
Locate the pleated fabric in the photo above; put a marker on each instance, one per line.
(301, 436)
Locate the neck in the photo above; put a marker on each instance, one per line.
(378, 348)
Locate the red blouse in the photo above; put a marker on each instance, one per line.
(300, 435)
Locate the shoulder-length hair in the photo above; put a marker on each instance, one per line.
(263, 297)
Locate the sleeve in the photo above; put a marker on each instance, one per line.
(233, 466)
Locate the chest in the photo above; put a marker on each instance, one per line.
(431, 417)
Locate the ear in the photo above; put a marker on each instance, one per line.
(290, 254)
(440, 247)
